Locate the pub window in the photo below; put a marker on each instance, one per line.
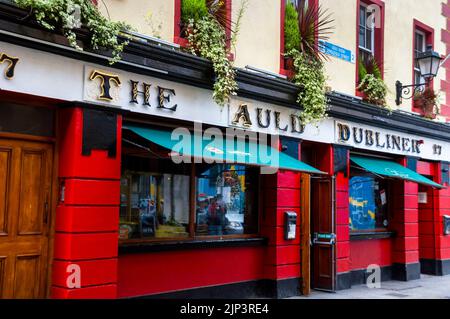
(161, 200)
(368, 201)
(226, 200)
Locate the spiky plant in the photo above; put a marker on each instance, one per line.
(314, 23)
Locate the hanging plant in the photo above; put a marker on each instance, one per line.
(428, 101)
(374, 89)
(371, 82)
(312, 23)
(62, 14)
(310, 76)
(205, 30)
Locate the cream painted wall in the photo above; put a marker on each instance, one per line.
(341, 74)
(398, 54)
(258, 43)
(150, 17)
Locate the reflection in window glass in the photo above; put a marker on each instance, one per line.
(154, 205)
(226, 203)
(368, 203)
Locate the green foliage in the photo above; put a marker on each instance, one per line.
(54, 14)
(374, 88)
(291, 28)
(369, 67)
(208, 39)
(193, 9)
(309, 75)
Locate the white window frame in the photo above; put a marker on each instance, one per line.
(372, 40)
(424, 47)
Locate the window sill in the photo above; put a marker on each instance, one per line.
(146, 247)
(371, 235)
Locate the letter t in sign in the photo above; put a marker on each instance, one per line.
(105, 83)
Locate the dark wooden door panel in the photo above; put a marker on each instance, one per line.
(25, 186)
(5, 178)
(32, 192)
(27, 274)
(2, 274)
(323, 252)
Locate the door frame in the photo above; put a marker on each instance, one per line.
(334, 229)
(305, 233)
(53, 194)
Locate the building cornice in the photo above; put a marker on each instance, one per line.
(166, 63)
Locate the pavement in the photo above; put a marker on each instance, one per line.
(428, 287)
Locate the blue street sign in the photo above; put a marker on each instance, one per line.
(337, 51)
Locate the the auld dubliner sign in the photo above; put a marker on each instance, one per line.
(38, 73)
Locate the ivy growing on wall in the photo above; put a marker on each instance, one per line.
(68, 15)
(303, 25)
(205, 30)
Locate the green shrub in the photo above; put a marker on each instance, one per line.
(193, 9)
(291, 29)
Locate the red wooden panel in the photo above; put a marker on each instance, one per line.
(343, 232)
(288, 179)
(367, 252)
(279, 272)
(342, 217)
(411, 201)
(72, 162)
(343, 249)
(92, 273)
(426, 228)
(342, 200)
(87, 219)
(92, 192)
(427, 253)
(343, 265)
(425, 168)
(407, 257)
(85, 246)
(276, 236)
(341, 182)
(282, 255)
(143, 274)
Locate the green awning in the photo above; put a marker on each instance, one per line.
(237, 151)
(391, 169)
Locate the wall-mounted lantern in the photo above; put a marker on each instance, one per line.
(429, 63)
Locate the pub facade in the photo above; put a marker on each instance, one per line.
(99, 200)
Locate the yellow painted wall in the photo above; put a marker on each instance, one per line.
(150, 17)
(258, 43)
(399, 41)
(341, 74)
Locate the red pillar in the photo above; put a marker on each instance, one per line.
(87, 217)
(437, 260)
(281, 193)
(405, 222)
(343, 265)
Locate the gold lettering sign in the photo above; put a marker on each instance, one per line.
(9, 71)
(106, 80)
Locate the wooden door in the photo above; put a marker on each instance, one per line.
(323, 234)
(25, 189)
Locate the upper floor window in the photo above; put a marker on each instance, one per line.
(220, 9)
(370, 39)
(419, 47)
(366, 34)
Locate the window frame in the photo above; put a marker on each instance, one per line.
(191, 227)
(366, 28)
(378, 35)
(283, 67)
(429, 40)
(388, 189)
(177, 37)
(416, 52)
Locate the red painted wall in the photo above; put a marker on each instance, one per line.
(152, 273)
(367, 252)
(445, 84)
